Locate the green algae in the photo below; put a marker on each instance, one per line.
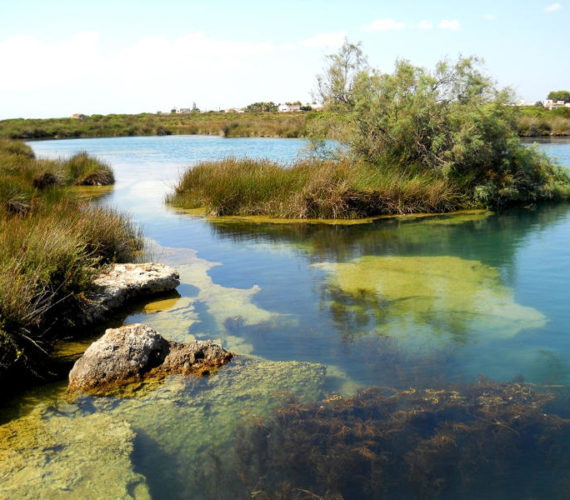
(52, 456)
(459, 218)
(90, 447)
(424, 298)
(456, 217)
(161, 305)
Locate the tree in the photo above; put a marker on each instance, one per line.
(451, 122)
(260, 107)
(559, 95)
(335, 86)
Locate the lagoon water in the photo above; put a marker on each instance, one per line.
(315, 311)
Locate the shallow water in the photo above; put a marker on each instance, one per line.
(317, 309)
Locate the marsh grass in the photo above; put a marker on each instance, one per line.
(310, 189)
(83, 170)
(50, 246)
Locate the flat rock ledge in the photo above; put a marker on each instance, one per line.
(132, 353)
(122, 283)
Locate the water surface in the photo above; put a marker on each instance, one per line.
(316, 311)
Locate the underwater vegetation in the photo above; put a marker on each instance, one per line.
(116, 447)
(478, 440)
(446, 298)
(47, 455)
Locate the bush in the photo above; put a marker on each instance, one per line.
(451, 121)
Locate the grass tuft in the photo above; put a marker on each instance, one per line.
(310, 189)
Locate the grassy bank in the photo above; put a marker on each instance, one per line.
(324, 189)
(51, 244)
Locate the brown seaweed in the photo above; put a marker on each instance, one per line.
(477, 440)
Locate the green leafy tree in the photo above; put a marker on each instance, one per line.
(559, 95)
(451, 121)
(335, 87)
(261, 107)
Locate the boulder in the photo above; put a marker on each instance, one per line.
(134, 352)
(122, 283)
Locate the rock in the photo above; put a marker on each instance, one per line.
(121, 283)
(134, 352)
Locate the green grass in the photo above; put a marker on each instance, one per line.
(51, 245)
(212, 123)
(310, 189)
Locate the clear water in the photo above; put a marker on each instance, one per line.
(409, 302)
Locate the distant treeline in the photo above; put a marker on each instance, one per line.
(532, 122)
(260, 124)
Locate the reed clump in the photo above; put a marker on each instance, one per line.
(51, 244)
(310, 189)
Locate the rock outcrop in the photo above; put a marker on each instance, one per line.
(122, 283)
(135, 352)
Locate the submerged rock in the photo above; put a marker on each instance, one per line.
(134, 352)
(122, 283)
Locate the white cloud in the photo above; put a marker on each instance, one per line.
(553, 8)
(30, 63)
(425, 25)
(490, 17)
(447, 24)
(82, 73)
(384, 25)
(334, 39)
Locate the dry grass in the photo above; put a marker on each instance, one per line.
(50, 246)
(310, 189)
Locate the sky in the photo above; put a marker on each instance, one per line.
(112, 56)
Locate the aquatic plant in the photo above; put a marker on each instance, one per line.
(484, 439)
(83, 170)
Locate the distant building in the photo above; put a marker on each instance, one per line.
(78, 116)
(184, 110)
(289, 108)
(550, 104)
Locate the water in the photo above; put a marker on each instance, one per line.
(315, 311)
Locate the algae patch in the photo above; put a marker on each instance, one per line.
(213, 310)
(422, 298)
(51, 456)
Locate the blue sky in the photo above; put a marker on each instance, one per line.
(64, 57)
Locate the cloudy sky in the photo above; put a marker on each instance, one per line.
(114, 56)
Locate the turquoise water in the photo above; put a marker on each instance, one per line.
(400, 303)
